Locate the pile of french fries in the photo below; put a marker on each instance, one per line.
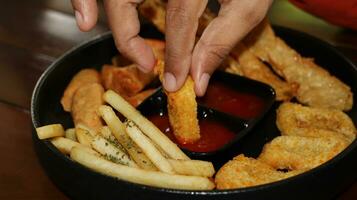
(134, 150)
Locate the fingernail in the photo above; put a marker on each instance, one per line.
(169, 82)
(203, 83)
(79, 17)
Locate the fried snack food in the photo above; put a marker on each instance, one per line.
(82, 78)
(316, 86)
(245, 172)
(255, 69)
(127, 81)
(295, 119)
(140, 97)
(86, 101)
(50, 131)
(182, 109)
(136, 175)
(301, 153)
(249, 65)
(158, 47)
(150, 130)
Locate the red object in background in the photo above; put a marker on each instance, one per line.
(339, 12)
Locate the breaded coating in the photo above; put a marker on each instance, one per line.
(316, 87)
(83, 77)
(301, 153)
(255, 69)
(126, 81)
(182, 109)
(154, 11)
(295, 119)
(140, 97)
(86, 102)
(232, 66)
(245, 172)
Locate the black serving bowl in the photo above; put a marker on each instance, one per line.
(240, 125)
(79, 182)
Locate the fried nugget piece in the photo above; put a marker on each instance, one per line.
(182, 109)
(154, 11)
(245, 172)
(316, 87)
(255, 69)
(86, 102)
(301, 153)
(232, 66)
(140, 97)
(295, 119)
(83, 77)
(127, 81)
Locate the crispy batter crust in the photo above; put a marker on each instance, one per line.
(295, 119)
(244, 172)
(316, 87)
(140, 97)
(83, 77)
(182, 109)
(86, 102)
(127, 81)
(301, 153)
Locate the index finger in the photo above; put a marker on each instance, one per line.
(181, 27)
(124, 23)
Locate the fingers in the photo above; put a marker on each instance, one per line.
(124, 23)
(86, 13)
(234, 21)
(181, 26)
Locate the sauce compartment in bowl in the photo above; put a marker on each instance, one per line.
(231, 108)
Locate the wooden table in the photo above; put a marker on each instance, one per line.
(33, 34)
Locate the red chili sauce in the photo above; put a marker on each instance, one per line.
(213, 134)
(230, 101)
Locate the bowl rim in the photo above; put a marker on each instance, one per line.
(214, 192)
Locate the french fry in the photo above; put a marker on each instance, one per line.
(135, 175)
(64, 144)
(111, 152)
(145, 125)
(118, 130)
(50, 131)
(148, 148)
(84, 137)
(84, 127)
(193, 167)
(71, 134)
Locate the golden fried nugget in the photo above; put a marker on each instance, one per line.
(127, 81)
(140, 97)
(182, 109)
(295, 119)
(301, 153)
(83, 77)
(255, 69)
(154, 11)
(245, 172)
(232, 66)
(316, 87)
(86, 102)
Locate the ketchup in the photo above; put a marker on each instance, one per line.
(214, 135)
(225, 99)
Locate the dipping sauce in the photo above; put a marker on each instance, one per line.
(214, 135)
(225, 99)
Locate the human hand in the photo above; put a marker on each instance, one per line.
(235, 19)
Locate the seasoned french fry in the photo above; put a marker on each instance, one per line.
(118, 130)
(135, 175)
(71, 134)
(50, 131)
(144, 124)
(84, 137)
(192, 167)
(64, 144)
(148, 148)
(111, 152)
